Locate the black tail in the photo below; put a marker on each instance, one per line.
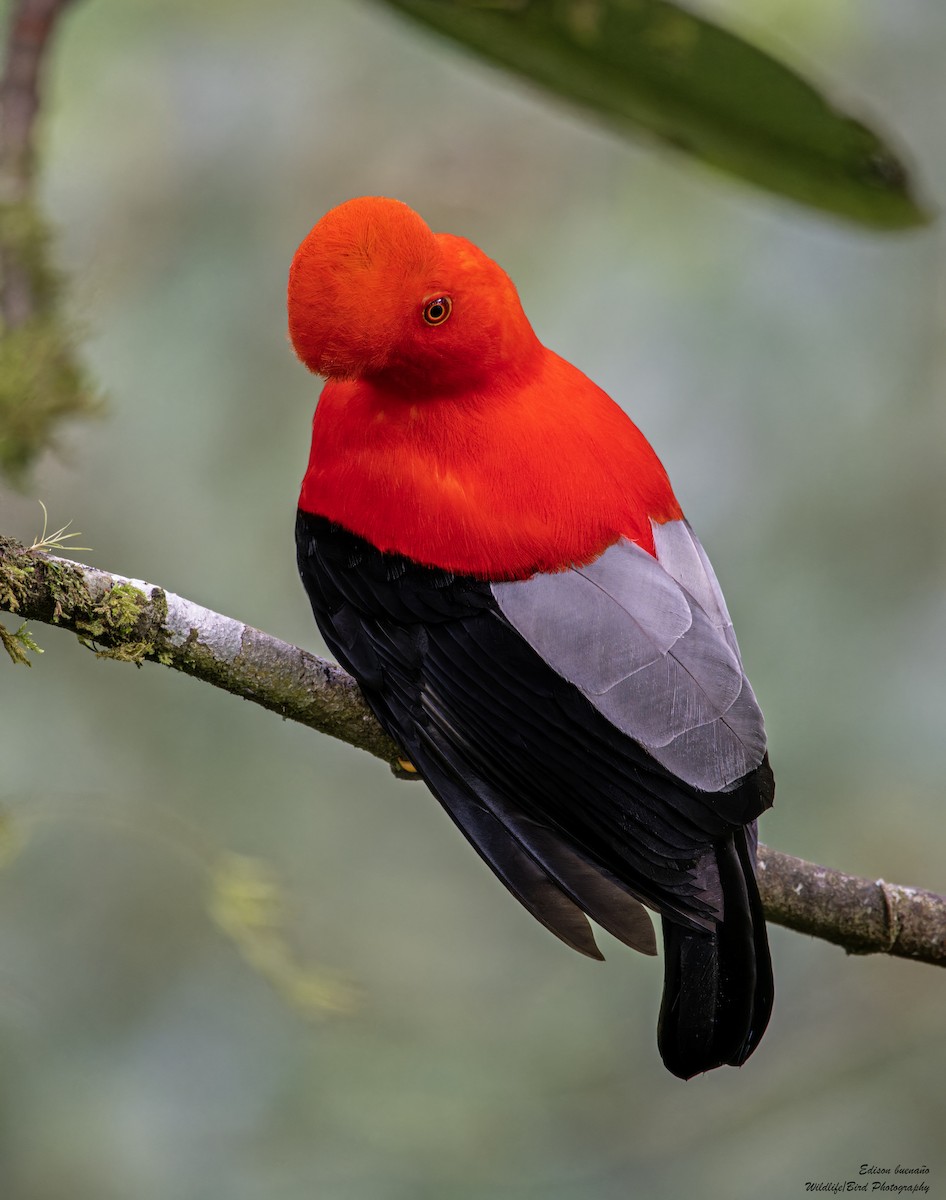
(718, 987)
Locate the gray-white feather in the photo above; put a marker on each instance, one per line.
(650, 643)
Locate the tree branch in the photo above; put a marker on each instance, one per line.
(864, 916)
(137, 622)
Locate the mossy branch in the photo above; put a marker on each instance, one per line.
(133, 621)
(138, 622)
(41, 380)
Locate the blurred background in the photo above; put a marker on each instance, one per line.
(397, 1028)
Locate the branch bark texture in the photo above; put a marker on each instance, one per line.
(134, 621)
(138, 622)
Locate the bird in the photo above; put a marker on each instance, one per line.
(491, 547)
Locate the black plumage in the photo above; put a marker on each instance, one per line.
(573, 815)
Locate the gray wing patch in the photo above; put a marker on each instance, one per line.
(655, 658)
(680, 554)
(545, 608)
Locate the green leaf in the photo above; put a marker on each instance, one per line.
(647, 65)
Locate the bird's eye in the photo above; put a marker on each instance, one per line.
(437, 310)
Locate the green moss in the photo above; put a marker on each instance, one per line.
(13, 581)
(122, 606)
(116, 616)
(67, 587)
(123, 623)
(133, 652)
(159, 608)
(19, 645)
(25, 238)
(41, 383)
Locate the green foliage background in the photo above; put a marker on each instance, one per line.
(790, 372)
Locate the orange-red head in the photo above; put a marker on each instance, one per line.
(374, 294)
(447, 432)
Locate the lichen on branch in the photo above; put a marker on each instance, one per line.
(133, 621)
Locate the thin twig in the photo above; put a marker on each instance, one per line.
(32, 24)
(138, 622)
(30, 31)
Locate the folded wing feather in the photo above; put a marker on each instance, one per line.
(653, 651)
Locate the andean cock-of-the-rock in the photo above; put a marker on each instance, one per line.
(494, 551)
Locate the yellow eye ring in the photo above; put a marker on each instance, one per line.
(437, 310)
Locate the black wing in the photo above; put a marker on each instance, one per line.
(571, 813)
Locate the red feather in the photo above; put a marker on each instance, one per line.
(468, 446)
